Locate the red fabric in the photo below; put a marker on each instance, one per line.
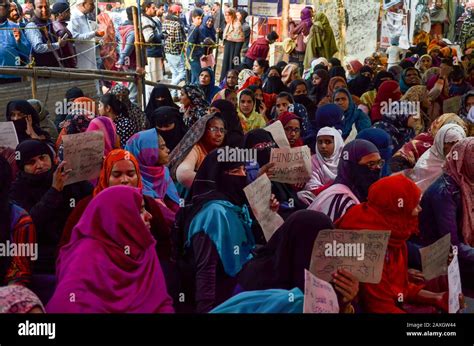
(390, 203)
(389, 89)
(259, 49)
(124, 31)
(252, 80)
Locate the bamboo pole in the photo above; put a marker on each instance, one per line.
(138, 55)
(285, 14)
(34, 88)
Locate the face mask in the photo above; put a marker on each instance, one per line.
(20, 126)
(233, 187)
(364, 177)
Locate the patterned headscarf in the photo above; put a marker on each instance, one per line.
(198, 107)
(134, 112)
(16, 299)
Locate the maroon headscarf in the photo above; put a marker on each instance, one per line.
(285, 118)
(110, 264)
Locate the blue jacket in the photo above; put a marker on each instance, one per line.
(442, 214)
(11, 53)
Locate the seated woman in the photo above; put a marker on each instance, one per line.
(389, 91)
(383, 142)
(298, 87)
(207, 83)
(193, 104)
(39, 189)
(361, 83)
(353, 117)
(206, 135)
(46, 122)
(125, 249)
(289, 74)
(282, 261)
(26, 121)
(169, 124)
(286, 103)
(273, 83)
(368, 98)
(120, 167)
(292, 126)
(111, 107)
(409, 154)
(409, 78)
(235, 135)
(447, 207)
(262, 141)
(213, 224)
(358, 168)
(16, 299)
(334, 84)
(152, 155)
(430, 165)
(250, 118)
(383, 211)
(324, 163)
(107, 127)
(134, 112)
(329, 115)
(15, 226)
(318, 85)
(160, 97)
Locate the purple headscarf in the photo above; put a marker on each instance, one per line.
(110, 264)
(306, 17)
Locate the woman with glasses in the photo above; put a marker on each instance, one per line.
(292, 126)
(359, 167)
(206, 135)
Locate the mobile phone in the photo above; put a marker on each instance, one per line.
(257, 105)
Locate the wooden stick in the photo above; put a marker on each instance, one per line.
(34, 88)
(138, 55)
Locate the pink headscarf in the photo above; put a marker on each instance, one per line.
(110, 264)
(107, 127)
(460, 166)
(16, 299)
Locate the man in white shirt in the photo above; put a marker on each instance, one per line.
(82, 29)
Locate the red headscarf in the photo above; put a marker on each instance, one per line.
(113, 157)
(389, 89)
(252, 80)
(389, 206)
(285, 118)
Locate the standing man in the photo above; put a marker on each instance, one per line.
(153, 34)
(174, 42)
(40, 34)
(14, 47)
(62, 15)
(219, 20)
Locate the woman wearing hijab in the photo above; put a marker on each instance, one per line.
(76, 121)
(169, 124)
(193, 104)
(281, 263)
(134, 112)
(329, 115)
(186, 159)
(383, 142)
(214, 222)
(262, 141)
(250, 118)
(298, 33)
(46, 124)
(15, 226)
(430, 165)
(447, 206)
(361, 83)
(324, 162)
(359, 167)
(107, 127)
(160, 96)
(207, 28)
(389, 91)
(16, 299)
(409, 77)
(353, 116)
(337, 71)
(207, 83)
(153, 156)
(289, 74)
(409, 154)
(235, 135)
(368, 98)
(26, 121)
(336, 83)
(137, 270)
(419, 95)
(292, 126)
(120, 167)
(321, 41)
(424, 63)
(383, 210)
(274, 84)
(319, 85)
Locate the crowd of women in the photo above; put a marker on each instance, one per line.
(166, 227)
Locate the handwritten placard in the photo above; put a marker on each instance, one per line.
(361, 253)
(278, 134)
(83, 153)
(292, 165)
(434, 258)
(258, 195)
(8, 137)
(319, 296)
(452, 105)
(454, 282)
